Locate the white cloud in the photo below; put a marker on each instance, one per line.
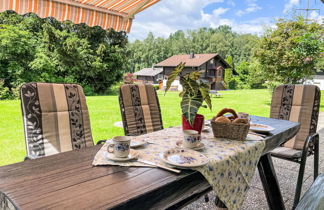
(167, 17)
(219, 11)
(231, 3)
(290, 4)
(314, 15)
(252, 6)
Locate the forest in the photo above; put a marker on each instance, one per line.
(46, 50)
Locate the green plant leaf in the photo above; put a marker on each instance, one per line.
(176, 71)
(181, 93)
(189, 85)
(190, 105)
(195, 75)
(204, 90)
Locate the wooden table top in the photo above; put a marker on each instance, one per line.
(68, 180)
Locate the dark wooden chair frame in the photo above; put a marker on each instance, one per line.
(311, 147)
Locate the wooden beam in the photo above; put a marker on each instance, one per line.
(90, 7)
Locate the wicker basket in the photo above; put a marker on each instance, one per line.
(234, 131)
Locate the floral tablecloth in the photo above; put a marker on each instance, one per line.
(230, 168)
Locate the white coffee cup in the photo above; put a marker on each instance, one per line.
(243, 115)
(191, 138)
(120, 146)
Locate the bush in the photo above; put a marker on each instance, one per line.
(114, 89)
(233, 84)
(4, 91)
(46, 50)
(88, 91)
(15, 94)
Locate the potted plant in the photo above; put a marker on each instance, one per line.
(194, 93)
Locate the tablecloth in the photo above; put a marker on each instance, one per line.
(230, 168)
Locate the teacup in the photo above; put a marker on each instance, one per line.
(191, 138)
(244, 115)
(120, 146)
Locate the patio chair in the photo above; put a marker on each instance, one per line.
(140, 109)
(56, 118)
(298, 103)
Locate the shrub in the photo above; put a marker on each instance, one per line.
(114, 89)
(4, 91)
(233, 84)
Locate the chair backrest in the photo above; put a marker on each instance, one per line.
(56, 118)
(297, 103)
(140, 109)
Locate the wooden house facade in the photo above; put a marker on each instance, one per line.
(212, 67)
(149, 75)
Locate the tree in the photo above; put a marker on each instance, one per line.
(229, 71)
(289, 52)
(46, 50)
(17, 49)
(221, 40)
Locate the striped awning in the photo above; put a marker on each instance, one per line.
(116, 14)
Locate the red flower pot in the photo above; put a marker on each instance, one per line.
(197, 125)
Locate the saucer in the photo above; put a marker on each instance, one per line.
(133, 155)
(260, 128)
(200, 145)
(183, 158)
(206, 129)
(137, 143)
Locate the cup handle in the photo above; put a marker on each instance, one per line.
(112, 147)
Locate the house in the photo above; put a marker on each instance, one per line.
(212, 67)
(149, 75)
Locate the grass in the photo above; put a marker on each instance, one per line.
(104, 112)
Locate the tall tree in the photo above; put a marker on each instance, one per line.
(289, 52)
(46, 50)
(220, 40)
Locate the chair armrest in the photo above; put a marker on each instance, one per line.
(310, 139)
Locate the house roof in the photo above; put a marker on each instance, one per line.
(148, 72)
(197, 61)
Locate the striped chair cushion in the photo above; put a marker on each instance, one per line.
(140, 109)
(56, 118)
(297, 103)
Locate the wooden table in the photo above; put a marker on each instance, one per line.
(69, 181)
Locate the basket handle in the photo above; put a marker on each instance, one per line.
(227, 110)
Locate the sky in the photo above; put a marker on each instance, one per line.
(244, 16)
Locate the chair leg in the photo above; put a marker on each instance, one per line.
(300, 180)
(316, 157)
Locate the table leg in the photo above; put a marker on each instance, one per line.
(270, 183)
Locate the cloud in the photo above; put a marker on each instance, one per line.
(251, 7)
(166, 17)
(231, 3)
(219, 11)
(290, 4)
(314, 15)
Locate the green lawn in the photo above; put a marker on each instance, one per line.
(104, 111)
